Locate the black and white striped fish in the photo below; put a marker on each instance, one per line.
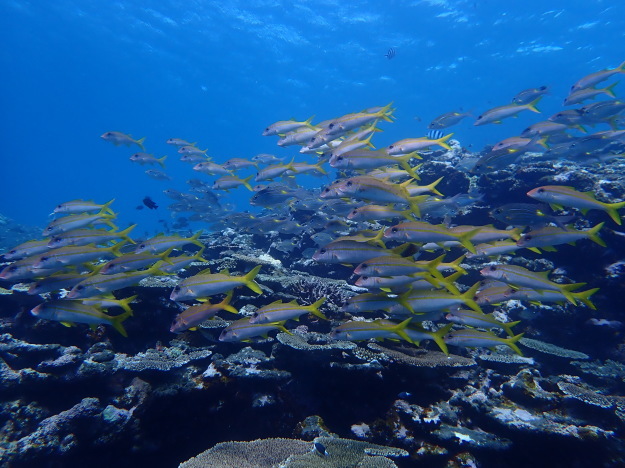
(434, 134)
(390, 54)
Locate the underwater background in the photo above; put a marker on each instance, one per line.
(219, 73)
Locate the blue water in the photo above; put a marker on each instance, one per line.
(219, 72)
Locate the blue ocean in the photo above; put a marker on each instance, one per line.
(288, 233)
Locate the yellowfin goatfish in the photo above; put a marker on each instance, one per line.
(133, 261)
(281, 311)
(447, 120)
(75, 255)
(160, 244)
(89, 236)
(376, 190)
(597, 77)
(98, 284)
(27, 249)
(191, 317)
(208, 284)
(469, 338)
(410, 145)
(588, 93)
(497, 114)
(519, 276)
(119, 138)
(68, 223)
(145, 158)
(70, 312)
(378, 329)
(284, 126)
(550, 236)
(243, 330)
(349, 122)
(179, 142)
(559, 195)
(83, 206)
(474, 318)
(528, 95)
(420, 231)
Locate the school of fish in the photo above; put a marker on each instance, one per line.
(374, 220)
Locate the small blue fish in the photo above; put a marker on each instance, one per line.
(390, 54)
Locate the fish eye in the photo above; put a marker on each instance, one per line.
(331, 125)
(493, 268)
(12, 268)
(498, 211)
(480, 117)
(394, 229)
(177, 288)
(364, 265)
(349, 183)
(142, 246)
(391, 147)
(364, 278)
(527, 237)
(340, 158)
(322, 251)
(79, 287)
(541, 190)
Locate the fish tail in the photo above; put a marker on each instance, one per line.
(110, 224)
(106, 207)
(194, 238)
(414, 204)
(449, 281)
(248, 280)
(532, 105)
(512, 343)
(387, 112)
(507, 326)
(609, 90)
(140, 142)
(116, 322)
(314, 308)
(124, 303)
(399, 330)
(438, 335)
(432, 267)
(402, 299)
(432, 187)
(308, 122)
(443, 141)
(225, 304)
(621, 67)
(456, 265)
(124, 234)
(403, 162)
(469, 297)
(612, 210)
(584, 297)
(246, 182)
(115, 248)
(161, 161)
(465, 240)
(592, 235)
(515, 233)
(567, 291)
(320, 168)
(377, 239)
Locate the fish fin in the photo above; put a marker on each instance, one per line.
(592, 235)
(612, 210)
(532, 105)
(511, 342)
(140, 142)
(438, 335)
(106, 207)
(432, 187)
(609, 89)
(469, 297)
(124, 303)
(246, 183)
(124, 234)
(314, 308)
(194, 239)
(399, 329)
(507, 326)
(548, 248)
(68, 324)
(534, 249)
(249, 280)
(443, 141)
(465, 240)
(584, 297)
(161, 161)
(117, 323)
